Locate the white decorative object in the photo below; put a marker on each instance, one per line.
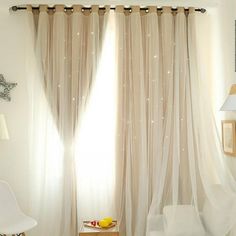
(5, 88)
(230, 102)
(3, 128)
(229, 137)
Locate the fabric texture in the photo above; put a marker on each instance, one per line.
(168, 149)
(182, 220)
(68, 47)
(220, 218)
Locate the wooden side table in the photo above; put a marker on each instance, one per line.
(86, 231)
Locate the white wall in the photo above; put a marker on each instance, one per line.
(223, 63)
(14, 153)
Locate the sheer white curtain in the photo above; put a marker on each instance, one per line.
(168, 149)
(68, 47)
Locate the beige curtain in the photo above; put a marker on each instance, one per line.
(156, 150)
(167, 148)
(68, 46)
(132, 133)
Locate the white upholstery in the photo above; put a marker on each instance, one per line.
(160, 231)
(12, 219)
(218, 218)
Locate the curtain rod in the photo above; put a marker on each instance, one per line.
(16, 8)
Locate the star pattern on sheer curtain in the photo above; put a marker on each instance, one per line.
(167, 150)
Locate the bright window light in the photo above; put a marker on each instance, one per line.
(96, 139)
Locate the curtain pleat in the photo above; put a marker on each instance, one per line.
(166, 146)
(161, 114)
(68, 48)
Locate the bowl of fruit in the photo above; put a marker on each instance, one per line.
(105, 223)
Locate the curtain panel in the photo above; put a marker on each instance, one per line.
(68, 46)
(154, 113)
(168, 151)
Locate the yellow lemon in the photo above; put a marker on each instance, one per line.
(103, 223)
(108, 219)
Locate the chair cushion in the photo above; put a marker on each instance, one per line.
(219, 214)
(182, 220)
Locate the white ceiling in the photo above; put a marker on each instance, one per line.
(186, 3)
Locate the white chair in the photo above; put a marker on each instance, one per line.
(178, 220)
(12, 220)
(212, 221)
